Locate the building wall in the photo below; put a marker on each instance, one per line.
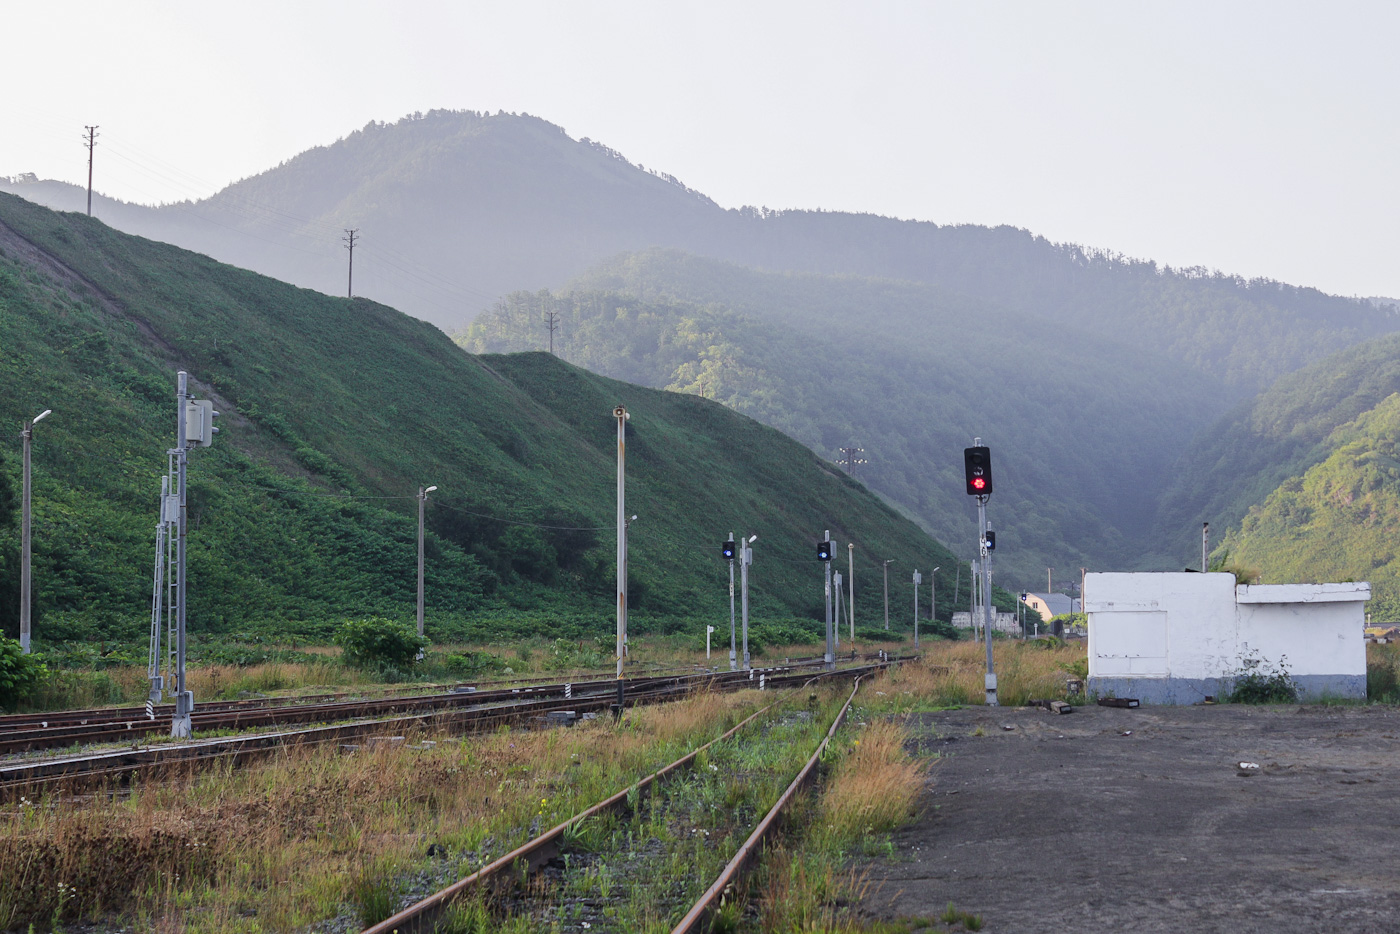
(1178, 638)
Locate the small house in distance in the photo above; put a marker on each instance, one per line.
(1049, 605)
(1179, 638)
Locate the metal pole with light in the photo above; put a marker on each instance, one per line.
(620, 413)
(851, 587)
(977, 462)
(888, 562)
(824, 556)
(933, 596)
(733, 657)
(181, 723)
(745, 561)
(26, 546)
(422, 501)
(918, 579)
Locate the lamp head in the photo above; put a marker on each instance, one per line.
(41, 416)
(752, 539)
(429, 490)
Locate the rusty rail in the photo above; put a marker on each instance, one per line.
(698, 918)
(422, 916)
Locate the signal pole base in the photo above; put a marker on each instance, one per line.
(182, 723)
(992, 691)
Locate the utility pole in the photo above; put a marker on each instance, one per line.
(1205, 547)
(194, 421)
(933, 595)
(1047, 580)
(349, 240)
(851, 586)
(91, 143)
(836, 615)
(422, 501)
(551, 321)
(1082, 574)
(888, 561)
(620, 413)
(852, 457)
(830, 657)
(733, 662)
(26, 546)
(917, 581)
(746, 560)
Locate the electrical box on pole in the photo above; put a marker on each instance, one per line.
(977, 467)
(199, 422)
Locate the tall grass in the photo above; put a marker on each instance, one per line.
(293, 841)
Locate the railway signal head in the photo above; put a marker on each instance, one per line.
(727, 550)
(991, 540)
(824, 551)
(977, 466)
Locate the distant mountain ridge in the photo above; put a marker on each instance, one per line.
(456, 208)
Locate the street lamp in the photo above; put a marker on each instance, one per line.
(25, 589)
(422, 501)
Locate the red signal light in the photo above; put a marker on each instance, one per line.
(978, 483)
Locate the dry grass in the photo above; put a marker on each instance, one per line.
(951, 673)
(876, 785)
(282, 845)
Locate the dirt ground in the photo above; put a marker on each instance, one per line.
(1142, 821)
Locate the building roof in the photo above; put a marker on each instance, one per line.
(1058, 603)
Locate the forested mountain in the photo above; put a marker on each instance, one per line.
(907, 372)
(455, 208)
(334, 413)
(1091, 371)
(1308, 468)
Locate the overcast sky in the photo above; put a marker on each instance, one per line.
(1256, 138)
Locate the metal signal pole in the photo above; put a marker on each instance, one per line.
(181, 723)
(620, 414)
(887, 594)
(422, 501)
(830, 657)
(733, 658)
(840, 598)
(918, 579)
(851, 586)
(987, 607)
(933, 595)
(1205, 547)
(746, 559)
(26, 541)
(91, 143)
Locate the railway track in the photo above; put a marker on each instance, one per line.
(505, 882)
(459, 713)
(62, 729)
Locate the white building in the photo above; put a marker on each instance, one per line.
(1178, 638)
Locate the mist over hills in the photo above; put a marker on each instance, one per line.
(334, 413)
(457, 208)
(1092, 372)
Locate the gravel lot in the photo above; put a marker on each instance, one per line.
(1141, 820)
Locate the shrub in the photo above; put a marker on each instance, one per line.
(466, 663)
(1382, 682)
(378, 643)
(1260, 683)
(20, 674)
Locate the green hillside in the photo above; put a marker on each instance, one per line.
(911, 374)
(1274, 438)
(1339, 520)
(334, 412)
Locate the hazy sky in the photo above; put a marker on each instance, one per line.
(1257, 138)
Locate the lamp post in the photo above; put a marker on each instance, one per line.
(888, 562)
(422, 501)
(933, 595)
(26, 548)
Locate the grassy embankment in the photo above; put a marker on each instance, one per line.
(316, 835)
